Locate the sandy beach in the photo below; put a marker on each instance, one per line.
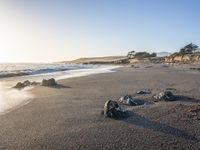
(69, 116)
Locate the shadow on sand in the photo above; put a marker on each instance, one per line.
(59, 86)
(158, 127)
(186, 99)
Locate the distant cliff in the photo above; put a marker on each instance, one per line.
(100, 60)
(189, 53)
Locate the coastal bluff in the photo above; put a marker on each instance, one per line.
(183, 58)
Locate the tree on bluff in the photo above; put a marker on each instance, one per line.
(189, 49)
(132, 54)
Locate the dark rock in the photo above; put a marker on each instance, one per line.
(128, 100)
(170, 89)
(133, 66)
(34, 83)
(50, 82)
(19, 85)
(165, 96)
(113, 110)
(144, 92)
(27, 83)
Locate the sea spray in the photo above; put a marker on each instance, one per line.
(13, 98)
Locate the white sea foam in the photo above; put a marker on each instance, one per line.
(86, 72)
(12, 98)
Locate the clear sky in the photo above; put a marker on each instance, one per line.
(47, 31)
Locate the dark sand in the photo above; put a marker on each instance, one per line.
(69, 116)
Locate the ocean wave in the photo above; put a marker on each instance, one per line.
(12, 98)
(7, 75)
(14, 70)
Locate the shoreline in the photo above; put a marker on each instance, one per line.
(69, 117)
(7, 91)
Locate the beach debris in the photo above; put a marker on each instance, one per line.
(146, 91)
(128, 100)
(113, 110)
(21, 85)
(165, 96)
(49, 82)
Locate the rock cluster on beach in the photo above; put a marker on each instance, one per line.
(21, 85)
(45, 82)
(113, 110)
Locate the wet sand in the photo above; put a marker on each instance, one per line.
(69, 115)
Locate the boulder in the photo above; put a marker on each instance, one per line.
(27, 83)
(19, 85)
(165, 96)
(128, 100)
(113, 110)
(50, 82)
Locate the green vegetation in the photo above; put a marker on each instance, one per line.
(189, 49)
(140, 55)
(144, 55)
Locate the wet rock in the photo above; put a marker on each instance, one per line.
(35, 83)
(113, 110)
(147, 91)
(50, 82)
(21, 85)
(27, 83)
(128, 100)
(165, 96)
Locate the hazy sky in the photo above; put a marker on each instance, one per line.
(46, 31)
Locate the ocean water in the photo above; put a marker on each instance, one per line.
(21, 69)
(10, 74)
